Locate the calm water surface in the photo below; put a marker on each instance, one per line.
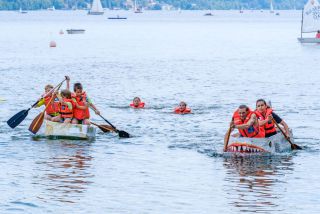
(173, 164)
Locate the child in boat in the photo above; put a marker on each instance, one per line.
(66, 107)
(182, 108)
(53, 108)
(136, 103)
(81, 112)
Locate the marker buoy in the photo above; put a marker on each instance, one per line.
(61, 32)
(53, 44)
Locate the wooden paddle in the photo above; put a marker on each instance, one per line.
(121, 133)
(38, 120)
(293, 146)
(228, 137)
(16, 119)
(104, 128)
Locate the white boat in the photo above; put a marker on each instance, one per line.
(51, 8)
(96, 8)
(136, 8)
(310, 21)
(66, 130)
(271, 7)
(22, 11)
(75, 31)
(274, 144)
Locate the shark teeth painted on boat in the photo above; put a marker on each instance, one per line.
(244, 148)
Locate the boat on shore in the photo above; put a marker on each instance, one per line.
(54, 130)
(274, 144)
(310, 22)
(75, 31)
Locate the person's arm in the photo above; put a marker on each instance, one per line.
(286, 128)
(68, 82)
(248, 124)
(40, 103)
(93, 106)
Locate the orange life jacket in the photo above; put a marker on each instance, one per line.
(80, 114)
(268, 127)
(141, 105)
(178, 111)
(53, 107)
(65, 111)
(254, 131)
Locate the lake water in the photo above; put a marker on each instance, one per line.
(173, 163)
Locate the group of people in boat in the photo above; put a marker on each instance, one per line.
(73, 107)
(260, 123)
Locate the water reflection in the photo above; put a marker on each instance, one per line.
(67, 172)
(254, 183)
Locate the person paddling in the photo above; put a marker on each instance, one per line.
(246, 122)
(81, 114)
(265, 115)
(182, 108)
(53, 108)
(66, 107)
(136, 103)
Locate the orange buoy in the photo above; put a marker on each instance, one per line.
(53, 44)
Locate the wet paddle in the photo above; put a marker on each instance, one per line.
(104, 128)
(121, 133)
(228, 137)
(38, 120)
(16, 119)
(293, 146)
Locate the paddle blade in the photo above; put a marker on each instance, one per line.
(106, 128)
(123, 134)
(36, 123)
(15, 120)
(295, 146)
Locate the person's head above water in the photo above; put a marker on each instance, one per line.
(136, 101)
(182, 105)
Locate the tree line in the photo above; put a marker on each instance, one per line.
(182, 4)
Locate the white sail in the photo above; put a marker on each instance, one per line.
(311, 17)
(96, 7)
(271, 7)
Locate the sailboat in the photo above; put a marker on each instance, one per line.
(96, 8)
(310, 21)
(137, 9)
(271, 7)
(22, 11)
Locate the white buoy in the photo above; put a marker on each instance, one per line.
(53, 44)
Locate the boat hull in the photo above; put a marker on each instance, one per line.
(309, 40)
(67, 131)
(95, 13)
(273, 144)
(75, 31)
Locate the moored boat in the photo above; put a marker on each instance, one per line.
(273, 144)
(67, 130)
(76, 31)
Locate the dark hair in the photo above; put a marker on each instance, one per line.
(261, 100)
(137, 98)
(244, 106)
(66, 93)
(76, 86)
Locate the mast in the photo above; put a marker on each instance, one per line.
(301, 22)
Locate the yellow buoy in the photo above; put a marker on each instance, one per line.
(53, 44)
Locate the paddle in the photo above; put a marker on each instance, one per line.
(293, 146)
(121, 133)
(16, 119)
(38, 120)
(228, 137)
(104, 128)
